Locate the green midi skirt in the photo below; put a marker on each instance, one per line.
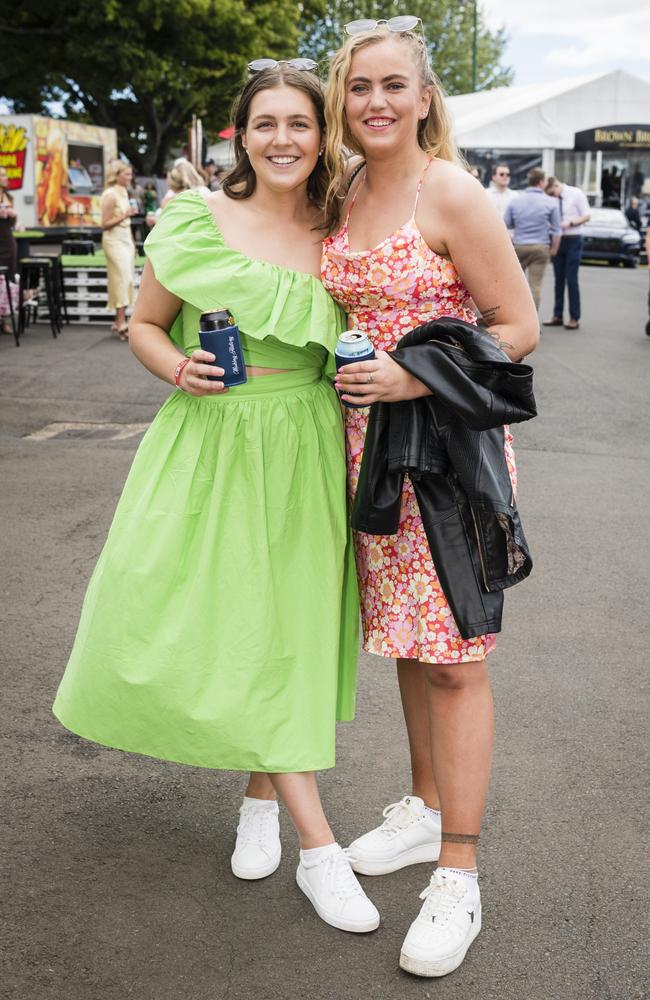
(220, 624)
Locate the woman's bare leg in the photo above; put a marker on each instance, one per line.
(462, 734)
(413, 689)
(299, 792)
(259, 786)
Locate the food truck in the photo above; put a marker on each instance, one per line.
(56, 169)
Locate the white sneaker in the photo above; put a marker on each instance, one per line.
(257, 850)
(332, 888)
(409, 835)
(450, 918)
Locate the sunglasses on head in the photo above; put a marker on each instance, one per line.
(404, 22)
(259, 65)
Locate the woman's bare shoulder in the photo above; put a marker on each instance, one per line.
(451, 186)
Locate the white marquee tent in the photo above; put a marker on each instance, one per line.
(547, 116)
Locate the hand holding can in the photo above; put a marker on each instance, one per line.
(219, 334)
(352, 346)
(194, 375)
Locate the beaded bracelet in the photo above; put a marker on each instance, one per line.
(178, 372)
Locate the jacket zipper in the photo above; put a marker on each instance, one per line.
(480, 550)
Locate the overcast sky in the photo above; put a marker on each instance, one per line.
(550, 39)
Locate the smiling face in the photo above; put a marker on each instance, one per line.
(282, 137)
(384, 97)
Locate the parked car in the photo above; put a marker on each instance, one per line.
(609, 236)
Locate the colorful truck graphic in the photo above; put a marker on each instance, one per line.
(56, 168)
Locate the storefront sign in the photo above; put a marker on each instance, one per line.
(13, 147)
(613, 137)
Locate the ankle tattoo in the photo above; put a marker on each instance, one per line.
(459, 838)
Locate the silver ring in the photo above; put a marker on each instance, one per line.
(370, 379)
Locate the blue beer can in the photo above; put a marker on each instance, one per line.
(219, 334)
(353, 345)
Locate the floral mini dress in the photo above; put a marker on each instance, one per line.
(386, 292)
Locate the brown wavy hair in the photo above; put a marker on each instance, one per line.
(240, 182)
(435, 132)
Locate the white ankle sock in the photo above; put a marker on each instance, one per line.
(313, 855)
(270, 804)
(433, 813)
(464, 872)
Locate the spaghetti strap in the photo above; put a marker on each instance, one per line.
(417, 195)
(359, 186)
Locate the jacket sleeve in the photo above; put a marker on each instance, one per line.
(378, 498)
(482, 394)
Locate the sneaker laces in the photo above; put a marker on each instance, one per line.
(398, 815)
(342, 880)
(253, 825)
(441, 897)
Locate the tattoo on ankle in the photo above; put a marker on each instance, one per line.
(460, 838)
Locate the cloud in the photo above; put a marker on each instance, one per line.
(587, 35)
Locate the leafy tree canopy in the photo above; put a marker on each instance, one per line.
(448, 29)
(141, 66)
(145, 67)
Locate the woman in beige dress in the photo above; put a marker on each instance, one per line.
(117, 242)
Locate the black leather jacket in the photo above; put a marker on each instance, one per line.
(452, 446)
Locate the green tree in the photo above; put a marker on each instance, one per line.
(448, 29)
(141, 66)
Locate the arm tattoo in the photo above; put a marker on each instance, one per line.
(488, 316)
(486, 320)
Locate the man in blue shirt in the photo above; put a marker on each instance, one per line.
(535, 218)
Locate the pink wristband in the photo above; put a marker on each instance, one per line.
(178, 371)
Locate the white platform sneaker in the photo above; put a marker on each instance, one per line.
(333, 889)
(257, 850)
(409, 835)
(450, 918)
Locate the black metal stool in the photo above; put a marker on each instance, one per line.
(59, 288)
(32, 271)
(6, 276)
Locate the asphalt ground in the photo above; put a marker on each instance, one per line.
(117, 879)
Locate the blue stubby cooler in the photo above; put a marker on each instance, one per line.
(219, 334)
(352, 346)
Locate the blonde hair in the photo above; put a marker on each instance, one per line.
(115, 168)
(435, 132)
(183, 176)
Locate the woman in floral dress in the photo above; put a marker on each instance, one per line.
(419, 241)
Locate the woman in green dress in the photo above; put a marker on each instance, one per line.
(220, 624)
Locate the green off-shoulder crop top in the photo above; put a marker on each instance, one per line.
(286, 318)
